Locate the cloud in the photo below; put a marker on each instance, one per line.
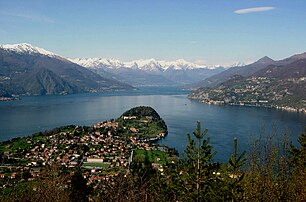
(31, 17)
(253, 10)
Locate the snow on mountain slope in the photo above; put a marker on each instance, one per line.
(151, 65)
(95, 63)
(181, 64)
(26, 48)
(142, 72)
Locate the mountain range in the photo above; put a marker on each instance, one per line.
(246, 70)
(150, 72)
(25, 69)
(29, 70)
(265, 82)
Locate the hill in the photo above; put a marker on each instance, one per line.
(142, 111)
(143, 123)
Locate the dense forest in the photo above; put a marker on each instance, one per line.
(273, 170)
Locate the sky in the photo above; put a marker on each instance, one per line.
(211, 32)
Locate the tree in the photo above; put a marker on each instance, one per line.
(51, 185)
(197, 167)
(235, 175)
(267, 174)
(298, 164)
(78, 187)
(298, 155)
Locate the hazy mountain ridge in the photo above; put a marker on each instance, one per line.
(245, 71)
(295, 68)
(25, 69)
(281, 84)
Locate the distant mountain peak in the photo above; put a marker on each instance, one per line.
(26, 48)
(265, 59)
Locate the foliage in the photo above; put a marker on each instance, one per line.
(142, 111)
(197, 167)
(268, 175)
(141, 122)
(298, 163)
(51, 186)
(78, 187)
(234, 176)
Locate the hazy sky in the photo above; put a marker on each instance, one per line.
(205, 31)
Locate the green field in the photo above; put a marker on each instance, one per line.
(152, 156)
(97, 165)
(148, 129)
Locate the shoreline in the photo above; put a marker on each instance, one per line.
(9, 98)
(283, 108)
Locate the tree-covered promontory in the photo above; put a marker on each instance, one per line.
(143, 122)
(142, 111)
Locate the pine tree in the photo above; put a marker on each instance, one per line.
(235, 175)
(298, 165)
(197, 167)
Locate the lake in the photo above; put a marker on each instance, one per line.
(33, 114)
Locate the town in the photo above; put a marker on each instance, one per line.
(256, 92)
(102, 150)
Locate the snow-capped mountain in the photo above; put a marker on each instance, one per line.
(142, 64)
(25, 69)
(25, 48)
(148, 72)
(181, 64)
(94, 63)
(150, 65)
(142, 72)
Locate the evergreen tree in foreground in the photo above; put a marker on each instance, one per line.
(235, 176)
(197, 167)
(298, 165)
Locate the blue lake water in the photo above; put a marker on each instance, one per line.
(33, 114)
